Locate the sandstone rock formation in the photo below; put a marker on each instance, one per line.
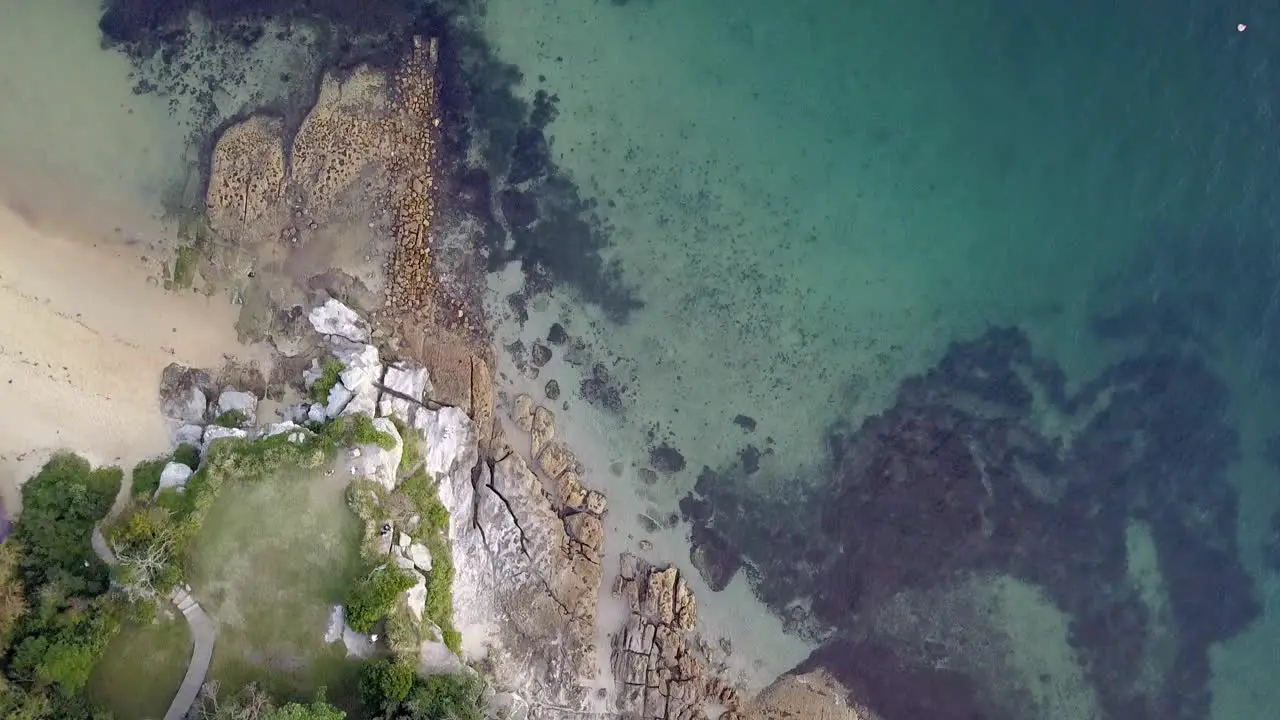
(811, 695)
(370, 139)
(658, 665)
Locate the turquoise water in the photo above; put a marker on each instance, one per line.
(805, 204)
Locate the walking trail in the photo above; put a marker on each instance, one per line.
(202, 635)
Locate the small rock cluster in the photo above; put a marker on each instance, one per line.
(660, 671)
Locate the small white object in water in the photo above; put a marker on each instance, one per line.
(1241, 27)
(355, 452)
(374, 638)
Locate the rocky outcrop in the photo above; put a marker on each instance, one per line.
(527, 568)
(658, 665)
(813, 695)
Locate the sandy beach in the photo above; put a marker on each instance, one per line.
(87, 331)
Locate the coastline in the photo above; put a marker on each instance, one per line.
(88, 330)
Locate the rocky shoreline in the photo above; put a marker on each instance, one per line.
(347, 212)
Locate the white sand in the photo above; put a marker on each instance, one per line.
(84, 336)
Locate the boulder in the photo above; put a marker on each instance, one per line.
(189, 435)
(337, 622)
(361, 365)
(404, 386)
(184, 394)
(236, 401)
(187, 405)
(175, 475)
(288, 426)
(419, 555)
(334, 318)
(416, 596)
(217, 432)
(363, 402)
(339, 398)
(376, 463)
(319, 412)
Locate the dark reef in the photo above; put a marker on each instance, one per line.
(962, 476)
(517, 202)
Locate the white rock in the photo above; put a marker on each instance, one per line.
(360, 362)
(403, 379)
(334, 318)
(339, 397)
(509, 706)
(232, 400)
(299, 436)
(403, 540)
(365, 402)
(358, 645)
(404, 563)
(337, 621)
(449, 442)
(175, 475)
(416, 596)
(435, 658)
(318, 412)
(379, 464)
(189, 435)
(280, 428)
(420, 555)
(217, 432)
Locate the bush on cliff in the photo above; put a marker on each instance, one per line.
(375, 595)
(60, 506)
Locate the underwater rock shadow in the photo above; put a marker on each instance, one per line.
(964, 474)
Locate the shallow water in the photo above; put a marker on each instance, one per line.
(810, 201)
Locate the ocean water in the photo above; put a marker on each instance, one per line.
(741, 228)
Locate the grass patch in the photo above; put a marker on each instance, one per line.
(329, 373)
(420, 489)
(269, 585)
(142, 668)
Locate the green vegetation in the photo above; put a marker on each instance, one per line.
(391, 689)
(268, 584)
(184, 266)
(59, 508)
(56, 616)
(188, 455)
(253, 703)
(329, 373)
(374, 596)
(162, 647)
(232, 419)
(145, 479)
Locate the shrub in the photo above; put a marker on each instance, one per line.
(146, 477)
(60, 506)
(232, 419)
(385, 684)
(188, 455)
(456, 697)
(421, 490)
(329, 375)
(374, 596)
(439, 605)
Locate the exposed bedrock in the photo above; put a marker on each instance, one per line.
(1111, 501)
